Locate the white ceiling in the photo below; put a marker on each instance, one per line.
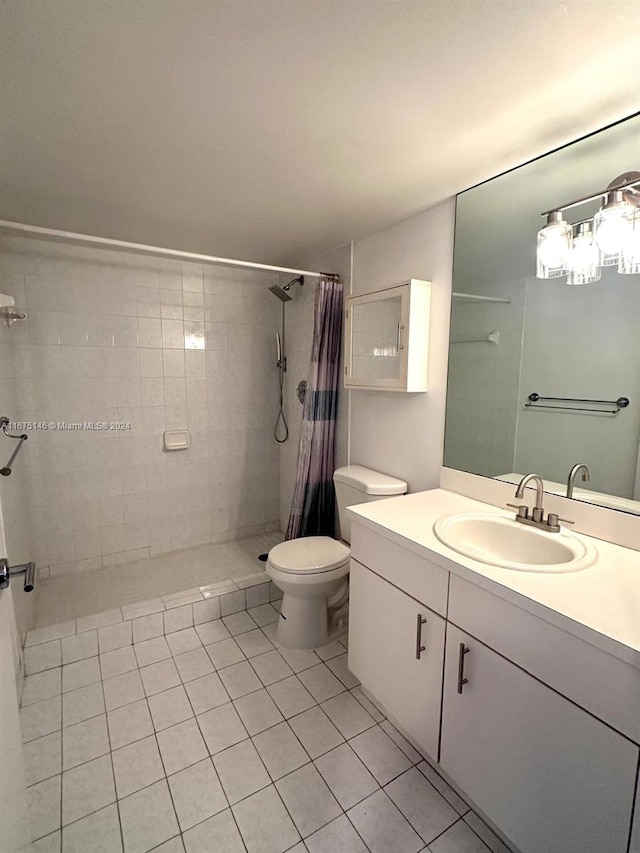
(265, 129)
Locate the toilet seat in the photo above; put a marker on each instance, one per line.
(309, 555)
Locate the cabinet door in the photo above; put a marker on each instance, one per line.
(376, 351)
(383, 648)
(550, 775)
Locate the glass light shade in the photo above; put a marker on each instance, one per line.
(583, 261)
(630, 255)
(612, 226)
(554, 247)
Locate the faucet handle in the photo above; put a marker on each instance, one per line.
(523, 509)
(553, 519)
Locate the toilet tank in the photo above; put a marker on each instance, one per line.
(357, 485)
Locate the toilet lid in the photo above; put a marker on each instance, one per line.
(309, 555)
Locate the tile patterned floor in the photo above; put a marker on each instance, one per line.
(71, 596)
(211, 739)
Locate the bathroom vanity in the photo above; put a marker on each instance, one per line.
(522, 687)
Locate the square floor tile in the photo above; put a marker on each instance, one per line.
(212, 632)
(339, 835)
(41, 718)
(137, 766)
(412, 754)
(159, 676)
(84, 741)
(184, 641)
(43, 685)
(151, 651)
(241, 771)
(321, 682)
(330, 650)
(339, 667)
(239, 680)
(114, 637)
(80, 674)
(271, 667)
(49, 844)
(443, 788)
(123, 690)
(206, 693)
(43, 758)
(347, 715)
(316, 731)
(82, 704)
(221, 728)
(258, 711)
(174, 845)
(79, 647)
(382, 827)
(380, 754)
(280, 750)
(128, 724)
(148, 818)
(346, 776)
(253, 643)
(458, 839)
(225, 653)
(263, 614)
(169, 708)
(308, 799)
(219, 833)
(118, 661)
(41, 657)
(367, 704)
(239, 623)
(299, 660)
(194, 664)
(181, 746)
(197, 794)
(428, 812)
(291, 696)
(147, 627)
(44, 806)
(87, 788)
(487, 835)
(264, 823)
(96, 833)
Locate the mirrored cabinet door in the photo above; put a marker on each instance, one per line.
(386, 338)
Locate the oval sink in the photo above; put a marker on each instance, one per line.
(499, 540)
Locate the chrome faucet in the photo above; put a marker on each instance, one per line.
(571, 480)
(537, 519)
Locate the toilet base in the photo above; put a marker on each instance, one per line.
(303, 623)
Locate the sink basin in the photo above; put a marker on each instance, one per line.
(499, 540)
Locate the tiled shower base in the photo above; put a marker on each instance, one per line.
(165, 578)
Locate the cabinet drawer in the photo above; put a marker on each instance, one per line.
(411, 573)
(606, 686)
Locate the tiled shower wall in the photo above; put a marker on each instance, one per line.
(115, 337)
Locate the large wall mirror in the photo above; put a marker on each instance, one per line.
(514, 336)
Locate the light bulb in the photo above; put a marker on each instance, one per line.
(630, 255)
(583, 261)
(554, 246)
(612, 227)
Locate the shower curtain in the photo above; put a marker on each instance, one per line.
(313, 505)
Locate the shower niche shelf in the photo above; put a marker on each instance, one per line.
(387, 338)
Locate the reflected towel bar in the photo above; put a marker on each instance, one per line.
(620, 403)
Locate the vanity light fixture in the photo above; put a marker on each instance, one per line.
(611, 238)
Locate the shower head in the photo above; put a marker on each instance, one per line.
(282, 292)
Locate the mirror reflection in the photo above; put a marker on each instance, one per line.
(537, 366)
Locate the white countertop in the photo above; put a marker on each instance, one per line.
(599, 604)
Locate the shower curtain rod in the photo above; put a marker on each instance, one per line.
(20, 227)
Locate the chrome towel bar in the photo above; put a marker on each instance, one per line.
(620, 403)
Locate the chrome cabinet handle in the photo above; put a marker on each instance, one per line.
(399, 345)
(420, 621)
(461, 679)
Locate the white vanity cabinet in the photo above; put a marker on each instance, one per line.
(551, 776)
(396, 647)
(387, 338)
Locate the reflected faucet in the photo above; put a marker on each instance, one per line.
(571, 480)
(537, 513)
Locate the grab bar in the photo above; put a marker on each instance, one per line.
(4, 423)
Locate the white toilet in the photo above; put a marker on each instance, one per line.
(312, 571)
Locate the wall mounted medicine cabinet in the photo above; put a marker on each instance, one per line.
(387, 338)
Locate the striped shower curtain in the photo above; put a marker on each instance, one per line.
(313, 504)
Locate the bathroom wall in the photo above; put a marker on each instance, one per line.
(402, 434)
(116, 337)
(13, 489)
(299, 336)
